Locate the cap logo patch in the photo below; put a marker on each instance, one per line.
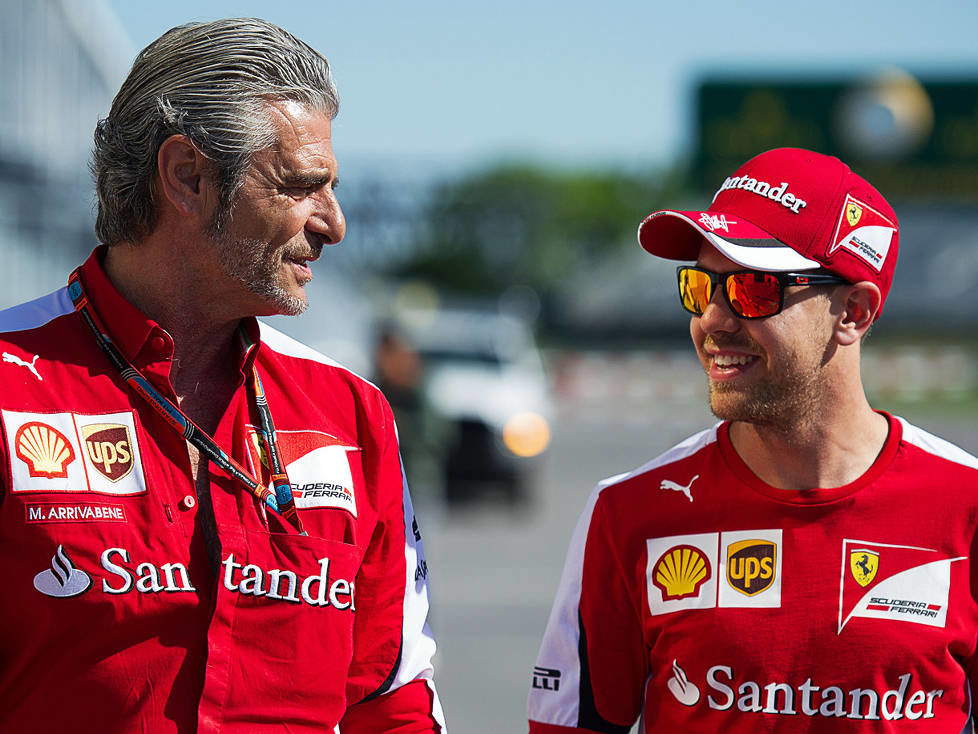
(779, 193)
(864, 232)
(713, 222)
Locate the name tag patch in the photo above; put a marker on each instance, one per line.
(73, 512)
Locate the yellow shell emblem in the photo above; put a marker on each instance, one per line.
(681, 571)
(44, 449)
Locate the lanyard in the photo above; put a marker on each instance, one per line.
(281, 501)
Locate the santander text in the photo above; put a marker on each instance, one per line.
(317, 590)
(809, 699)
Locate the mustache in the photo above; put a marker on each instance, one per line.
(310, 250)
(744, 342)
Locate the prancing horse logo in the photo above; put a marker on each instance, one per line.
(669, 484)
(864, 563)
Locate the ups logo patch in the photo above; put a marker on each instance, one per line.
(751, 565)
(110, 449)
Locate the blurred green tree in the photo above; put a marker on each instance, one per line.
(518, 224)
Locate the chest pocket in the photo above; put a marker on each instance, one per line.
(289, 603)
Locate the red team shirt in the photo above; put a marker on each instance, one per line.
(114, 619)
(696, 598)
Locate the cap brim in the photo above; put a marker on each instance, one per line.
(678, 235)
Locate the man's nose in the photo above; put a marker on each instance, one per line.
(326, 219)
(718, 316)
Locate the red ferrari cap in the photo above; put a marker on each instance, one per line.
(784, 210)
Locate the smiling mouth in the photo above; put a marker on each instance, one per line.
(303, 260)
(732, 360)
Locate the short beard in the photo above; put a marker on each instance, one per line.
(789, 399)
(244, 260)
(784, 404)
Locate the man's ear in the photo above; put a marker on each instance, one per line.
(185, 177)
(861, 303)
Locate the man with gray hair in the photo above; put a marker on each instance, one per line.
(204, 524)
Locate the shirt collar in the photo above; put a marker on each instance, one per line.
(140, 339)
(131, 331)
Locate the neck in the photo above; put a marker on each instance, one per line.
(181, 302)
(832, 449)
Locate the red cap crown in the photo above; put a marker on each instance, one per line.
(788, 209)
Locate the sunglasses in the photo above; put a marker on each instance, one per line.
(751, 294)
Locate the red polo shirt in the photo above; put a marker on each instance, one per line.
(115, 619)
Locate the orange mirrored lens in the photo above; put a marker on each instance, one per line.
(753, 295)
(695, 290)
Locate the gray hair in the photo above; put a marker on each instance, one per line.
(211, 82)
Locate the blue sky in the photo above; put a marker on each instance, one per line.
(445, 84)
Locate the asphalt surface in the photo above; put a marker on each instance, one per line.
(495, 569)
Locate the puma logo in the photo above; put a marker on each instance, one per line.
(14, 359)
(669, 484)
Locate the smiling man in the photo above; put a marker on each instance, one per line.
(204, 524)
(805, 564)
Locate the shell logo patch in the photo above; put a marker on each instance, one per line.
(681, 571)
(894, 582)
(44, 449)
(864, 232)
(708, 570)
(74, 452)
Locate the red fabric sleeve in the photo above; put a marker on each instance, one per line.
(611, 625)
(593, 653)
(389, 686)
(405, 710)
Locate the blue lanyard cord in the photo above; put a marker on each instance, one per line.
(281, 502)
